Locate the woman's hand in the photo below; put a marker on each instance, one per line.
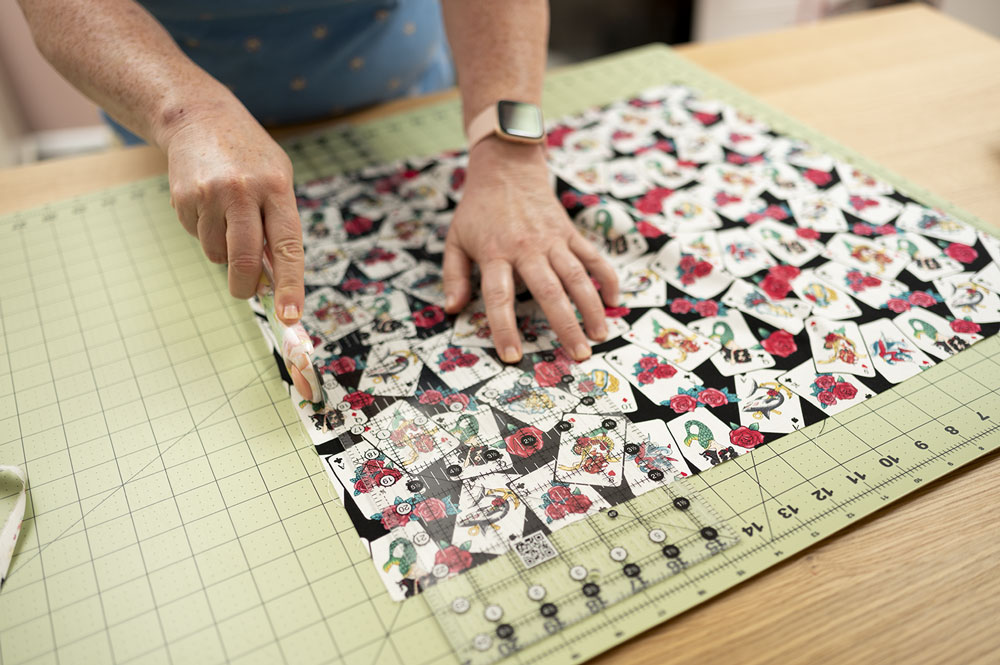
(231, 186)
(508, 221)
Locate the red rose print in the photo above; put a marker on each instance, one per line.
(870, 281)
(921, 299)
(707, 307)
(964, 326)
(357, 225)
(649, 205)
(680, 306)
(780, 343)
(885, 229)
(430, 397)
(818, 177)
(712, 397)
(705, 118)
(590, 199)
(342, 365)
(555, 136)
(648, 362)
(559, 493)
(428, 316)
(364, 485)
(647, 230)
(961, 252)
(702, 268)
(549, 374)
(424, 443)
(359, 400)
(898, 305)
(861, 229)
(844, 390)
(664, 371)
(616, 312)
(775, 287)
(555, 511)
(784, 271)
(683, 403)
(577, 503)
(825, 382)
(352, 284)
(808, 234)
(826, 397)
(372, 466)
(568, 199)
(457, 179)
(392, 519)
(467, 360)
(381, 476)
(645, 378)
(525, 442)
(744, 437)
(430, 509)
(455, 558)
(457, 398)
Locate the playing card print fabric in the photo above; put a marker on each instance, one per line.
(765, 286)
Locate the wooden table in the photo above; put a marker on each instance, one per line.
(919, 93)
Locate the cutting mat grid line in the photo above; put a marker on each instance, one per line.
(259, 563)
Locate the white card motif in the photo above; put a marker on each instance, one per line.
(894, 356)
(741, 254)
(703, 439)
(935, 224)
(784, 242)
(661, 333)
(787, 313)
(934, 334)
(766, 402)
(858, 252)
(827, 301)
(837, 347)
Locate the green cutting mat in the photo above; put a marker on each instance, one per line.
(177, 512)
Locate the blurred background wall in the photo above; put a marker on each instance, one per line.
(41, 116)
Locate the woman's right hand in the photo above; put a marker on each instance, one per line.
(231, 186)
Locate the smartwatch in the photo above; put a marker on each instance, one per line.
(511, 121)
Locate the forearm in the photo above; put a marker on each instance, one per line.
(499, 49)
(121, 57)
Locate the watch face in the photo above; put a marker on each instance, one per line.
(520, 119)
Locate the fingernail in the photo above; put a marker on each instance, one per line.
(510, 355)
(449, 302)
(290, 313)
(581, 352)
(600, 333)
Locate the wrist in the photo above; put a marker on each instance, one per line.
(494, 156)
(201, 108)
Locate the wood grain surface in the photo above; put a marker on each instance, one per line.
(918, 582)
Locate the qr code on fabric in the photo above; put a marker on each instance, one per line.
(765, 286)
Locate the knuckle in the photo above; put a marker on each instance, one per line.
(497, 295)
(575, 274)
(288, 250)
(548, 290)
(244, 264)
(277, 182)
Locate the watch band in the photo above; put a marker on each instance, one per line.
(519, 129)
(482, 126)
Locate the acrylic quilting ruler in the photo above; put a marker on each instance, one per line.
(178, 512)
